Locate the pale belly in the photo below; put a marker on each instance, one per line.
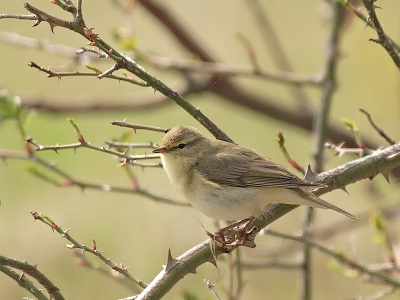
(236, 203)
(227, 203)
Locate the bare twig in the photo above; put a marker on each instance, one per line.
(23, 282)
(366, 20)
(20, 17)
(376, 127)
(340, 257)
(93, 250)
(138, 126)
(97, 73)
(70, 181)
(382, 38)
(321, 127)
(32, 271)
(83, 261)
(272, 264)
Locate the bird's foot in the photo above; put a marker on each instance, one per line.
(236, 234)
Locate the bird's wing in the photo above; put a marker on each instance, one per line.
(245, 168)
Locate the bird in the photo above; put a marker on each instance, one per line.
(226, 181)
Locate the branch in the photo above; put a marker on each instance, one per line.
(366, 167)
(26, 268)
(339, 256)
(382, 38)
(366, 20)
(93, 250)
(23, 282)
(98, 74)
(70, 181)
(232, 91)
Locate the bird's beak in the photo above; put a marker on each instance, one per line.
(160, 150)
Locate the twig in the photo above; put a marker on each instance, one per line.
(272, 264)
(70, 181)
(23, 282)
(382, 294)
(84, 261)
(31, 270)
(365, 19)
(321, 127)
(108, 72)
(19, 17)
(78, 25)
(130, 146)
(211, 288)
(338, 256)
(88, 145)
(379, 130)
(382, 38)
(224, 69)
(330, 230)
(281, 141)
(138, 126)
(339, 150)
(97, 74)
(93, 250)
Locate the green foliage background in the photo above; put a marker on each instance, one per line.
(136, 231)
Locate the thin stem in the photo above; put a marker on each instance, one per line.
(321, 125)
(32, 271)
(338, 256)
(382, 38)
(93, 250)
(70, 181)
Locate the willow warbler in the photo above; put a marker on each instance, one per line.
(230, 182)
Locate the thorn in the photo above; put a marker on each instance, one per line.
(380, 148)
(36, 23)
(386, 175)
(194, 271)
(366, 23)
(392, 156)
(52, 25)
(344, 188)
(171, 262)
(310, 175)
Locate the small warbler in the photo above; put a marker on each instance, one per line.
(229, 182)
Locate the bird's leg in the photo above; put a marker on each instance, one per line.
(235, 234)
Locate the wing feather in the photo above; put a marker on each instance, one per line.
(242, 167)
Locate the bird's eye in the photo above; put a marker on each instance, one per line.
(181, 146)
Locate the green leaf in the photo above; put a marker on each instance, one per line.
(10, 106)
(377, 221)
(336, 267)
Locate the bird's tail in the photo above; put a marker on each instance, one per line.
(318, 202)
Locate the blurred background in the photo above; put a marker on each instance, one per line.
(137, 231)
